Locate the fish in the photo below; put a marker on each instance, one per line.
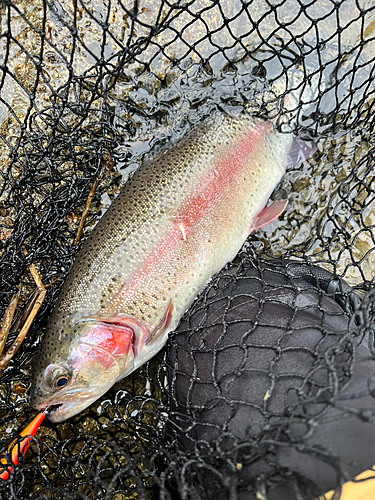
(176, 222)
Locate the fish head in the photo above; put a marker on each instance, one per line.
(69, 381)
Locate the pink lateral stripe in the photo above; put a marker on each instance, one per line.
(225, 171)
(206, 193)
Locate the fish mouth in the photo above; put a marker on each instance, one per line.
(52, 409)
(60, 410)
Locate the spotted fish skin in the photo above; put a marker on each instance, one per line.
(178, 220)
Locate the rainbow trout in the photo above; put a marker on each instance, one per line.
(176, 222)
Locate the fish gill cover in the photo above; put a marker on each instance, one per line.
(267, 388)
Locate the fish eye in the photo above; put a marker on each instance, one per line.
(61, 381)
(57, 376)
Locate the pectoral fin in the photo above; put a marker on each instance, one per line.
(268, 214)
(162, 325)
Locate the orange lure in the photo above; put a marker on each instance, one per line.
(14, 450)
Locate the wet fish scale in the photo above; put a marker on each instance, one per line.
(176, 222)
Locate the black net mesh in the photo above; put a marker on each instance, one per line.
(266, 390)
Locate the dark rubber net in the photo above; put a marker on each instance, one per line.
(266, 391)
